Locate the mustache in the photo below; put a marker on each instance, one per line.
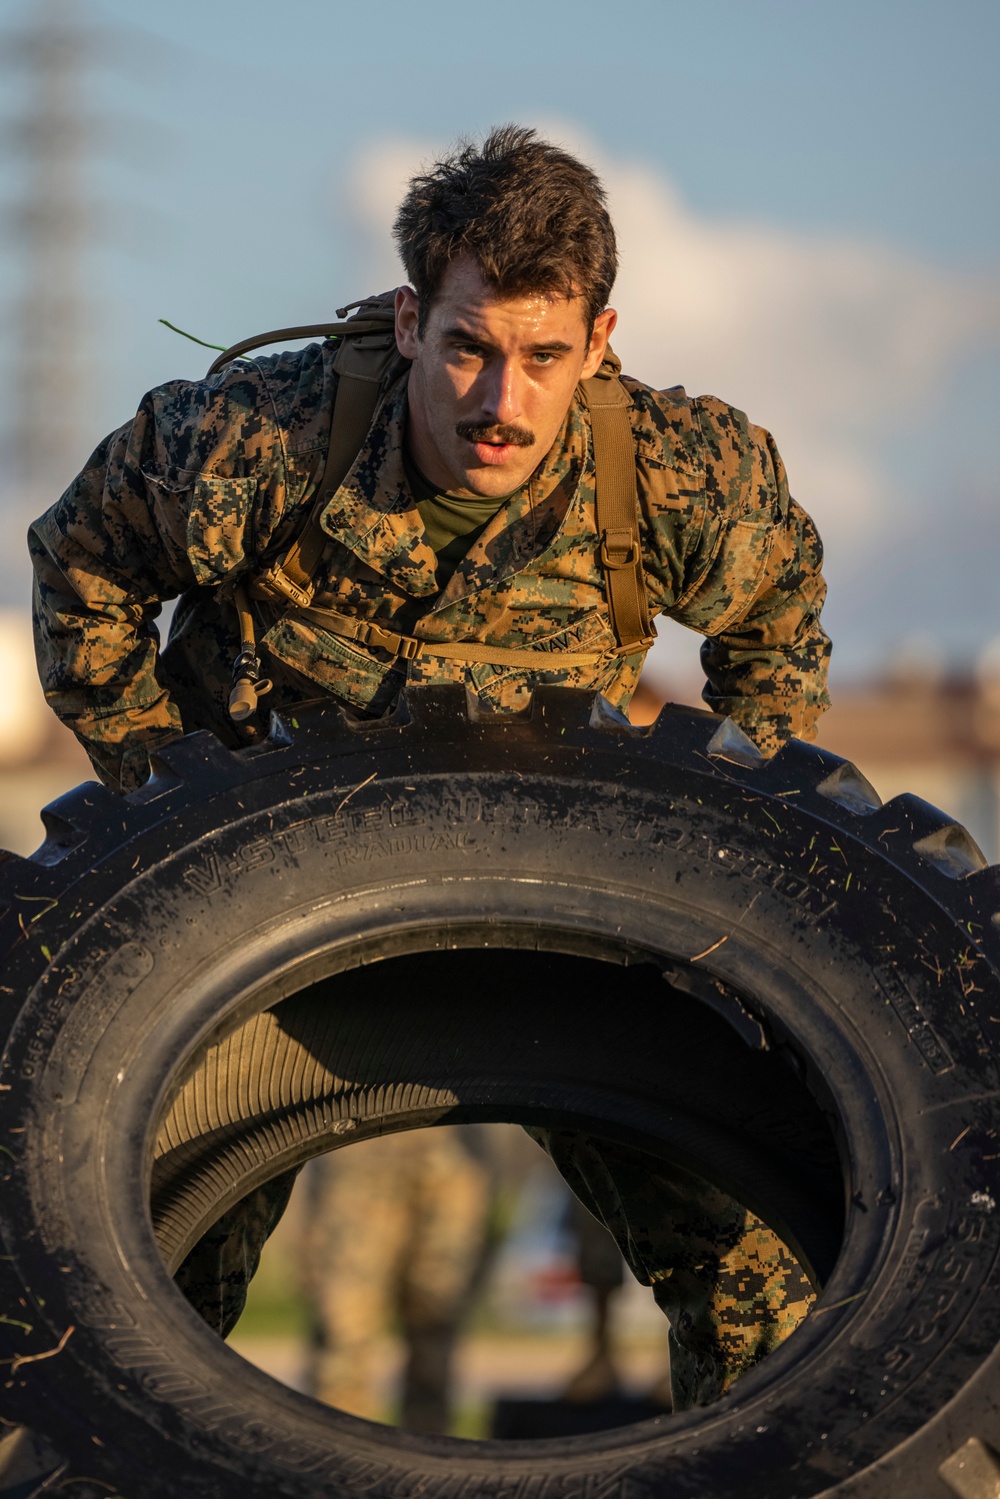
(518, 437)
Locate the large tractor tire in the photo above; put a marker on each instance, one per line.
(748, 967)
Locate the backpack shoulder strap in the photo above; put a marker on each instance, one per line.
(617, 506)
(365, 355)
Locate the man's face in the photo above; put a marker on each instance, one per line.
(492, 379)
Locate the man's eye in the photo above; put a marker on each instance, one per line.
(471, 351)
(543, 358)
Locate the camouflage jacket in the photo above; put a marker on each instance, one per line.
(213, 478)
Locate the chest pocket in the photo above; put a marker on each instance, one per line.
(218, 519)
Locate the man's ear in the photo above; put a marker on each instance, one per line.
(407, 321)
(604, 326)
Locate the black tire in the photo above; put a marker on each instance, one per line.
(823, 1044)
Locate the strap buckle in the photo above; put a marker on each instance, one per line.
(619, 549)
(277, 585)
(387, 640)
(409, 648)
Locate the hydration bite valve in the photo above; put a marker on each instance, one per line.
(248, 686)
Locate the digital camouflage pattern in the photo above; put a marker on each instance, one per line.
(731, 1290)
(213, 478)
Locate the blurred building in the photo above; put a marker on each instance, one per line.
(917, 728)
(39, 758)
(938, 737)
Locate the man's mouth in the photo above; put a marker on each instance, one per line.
(495, 444)
(493, 452)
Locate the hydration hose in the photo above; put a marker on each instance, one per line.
(248, 684)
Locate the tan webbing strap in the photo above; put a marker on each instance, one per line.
(360, 364)
(366, 352)
(617, 507)
(409, 647)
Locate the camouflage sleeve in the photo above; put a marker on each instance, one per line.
(166, 502)
(757, 587)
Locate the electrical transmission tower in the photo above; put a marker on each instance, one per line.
(50, 225)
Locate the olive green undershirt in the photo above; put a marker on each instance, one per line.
(452, 522)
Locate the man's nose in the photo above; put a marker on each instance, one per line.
(502, 397)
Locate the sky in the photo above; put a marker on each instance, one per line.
(806, 197)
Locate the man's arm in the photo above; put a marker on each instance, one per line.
(757, 586)
(165, 503)
(768, 669)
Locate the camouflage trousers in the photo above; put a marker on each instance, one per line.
(395, 1236)
(217, 1273)
(730, 1289)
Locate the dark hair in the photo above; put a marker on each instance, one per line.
(531, 217)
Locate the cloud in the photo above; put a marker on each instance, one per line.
(829, 342)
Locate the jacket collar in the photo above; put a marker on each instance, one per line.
(531, 520)
(373, 513)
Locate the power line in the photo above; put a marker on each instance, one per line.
(52, 138)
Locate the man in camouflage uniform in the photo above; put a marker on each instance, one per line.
(468, 516)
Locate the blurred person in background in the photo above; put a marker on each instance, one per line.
(395, 1238)
(602, 1272)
